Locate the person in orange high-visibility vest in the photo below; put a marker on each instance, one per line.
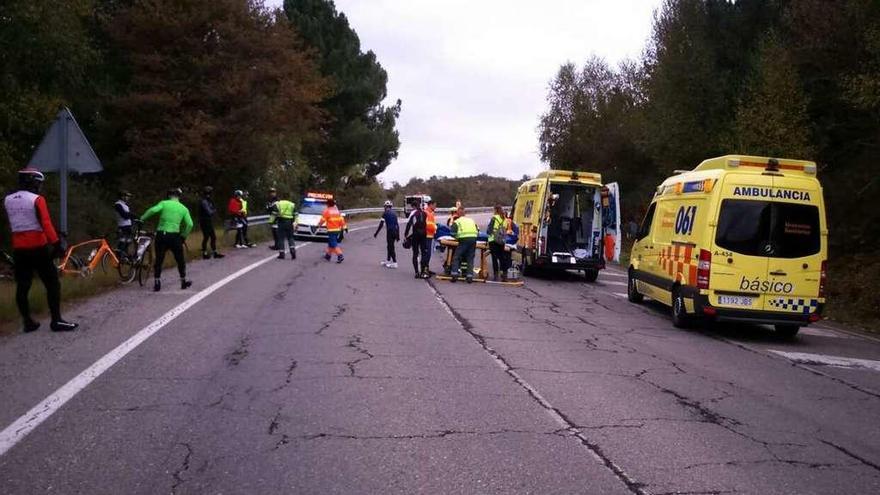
(430, 232)
(335, 222)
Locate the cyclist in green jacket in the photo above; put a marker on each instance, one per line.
(169, 235)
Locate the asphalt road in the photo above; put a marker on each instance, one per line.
(313, 377)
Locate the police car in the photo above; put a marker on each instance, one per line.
(739, 238)
(309, 214)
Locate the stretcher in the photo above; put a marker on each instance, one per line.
(481, 272)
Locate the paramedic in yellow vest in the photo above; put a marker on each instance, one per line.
(334, 221)
(496, 232)
(285, 215)
(465, 231)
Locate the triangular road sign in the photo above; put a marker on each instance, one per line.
(65, 140)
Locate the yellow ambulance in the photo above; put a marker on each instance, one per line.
(560, 215)
(739, 238)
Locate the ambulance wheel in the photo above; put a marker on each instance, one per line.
(680, 317)
(591, 275)
(787, 331)
(632, 291)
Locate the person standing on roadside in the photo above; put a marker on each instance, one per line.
(430, 232)
(206, 223)
(392, 234)
(237, 209)
(465, 231)
(416, 232)
(285, 216)
(335, 222)
(497, 235)
(124, 216)
(170, 235)
(34, 245)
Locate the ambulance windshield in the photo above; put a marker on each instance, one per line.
(770, 229)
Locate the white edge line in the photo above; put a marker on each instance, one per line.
(20, 428)
(618, 294)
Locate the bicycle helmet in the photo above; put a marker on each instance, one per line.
(30, 179)
(176, 192)
(237, 193)
(388, 204)
(208, 190)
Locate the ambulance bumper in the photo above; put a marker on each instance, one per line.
(702, 307)
(568, 263)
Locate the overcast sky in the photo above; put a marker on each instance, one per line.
(473, 74)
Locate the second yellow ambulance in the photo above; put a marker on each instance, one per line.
(738, 238)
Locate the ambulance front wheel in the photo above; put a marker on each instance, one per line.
(680, 318)
(787, 331)
(591, 275)
(632, 291)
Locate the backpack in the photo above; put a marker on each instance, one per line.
(498, 233)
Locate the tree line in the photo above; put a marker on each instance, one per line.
(782, 78)
(191, 93)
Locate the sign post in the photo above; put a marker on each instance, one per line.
(63, 149)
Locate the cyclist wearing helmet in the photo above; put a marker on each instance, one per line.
(392, 234)
(34, 244)
(206, 223)
(124, 216)
(238, 211)
(169, 235)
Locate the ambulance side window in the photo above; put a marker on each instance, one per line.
(645, 229)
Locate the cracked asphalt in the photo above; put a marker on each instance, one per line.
(311, 377)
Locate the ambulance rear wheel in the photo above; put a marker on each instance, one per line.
(680, 317)
(787, 331)
(591, 275)
(632, 290)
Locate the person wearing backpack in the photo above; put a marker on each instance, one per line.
(497, 234)
(416, 234)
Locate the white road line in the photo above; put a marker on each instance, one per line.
(614, 273)
(823, 360)
(612, 282)
(618, 294)
(15, 432)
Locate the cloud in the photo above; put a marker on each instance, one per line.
(473, 75)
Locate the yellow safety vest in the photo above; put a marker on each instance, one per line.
(497, 223)
(466, 228)
(285, 209)
(244, 207)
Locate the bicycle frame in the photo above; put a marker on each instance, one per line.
(103, 250)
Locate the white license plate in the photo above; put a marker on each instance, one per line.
(736, 300)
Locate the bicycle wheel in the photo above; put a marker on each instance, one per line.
(126, 269)
(143, 267)
(106, 259)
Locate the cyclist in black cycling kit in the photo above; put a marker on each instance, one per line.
(206, 223)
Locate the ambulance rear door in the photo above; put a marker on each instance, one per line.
(796, 245)
(611, 223)
(739, 262)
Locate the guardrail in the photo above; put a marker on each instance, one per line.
(263, 219)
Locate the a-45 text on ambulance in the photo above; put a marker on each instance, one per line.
(739, 238)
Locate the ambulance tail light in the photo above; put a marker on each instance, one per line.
(814, 318)
(823, 277)
(704, 267)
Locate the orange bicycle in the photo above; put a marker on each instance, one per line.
(100, 255)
